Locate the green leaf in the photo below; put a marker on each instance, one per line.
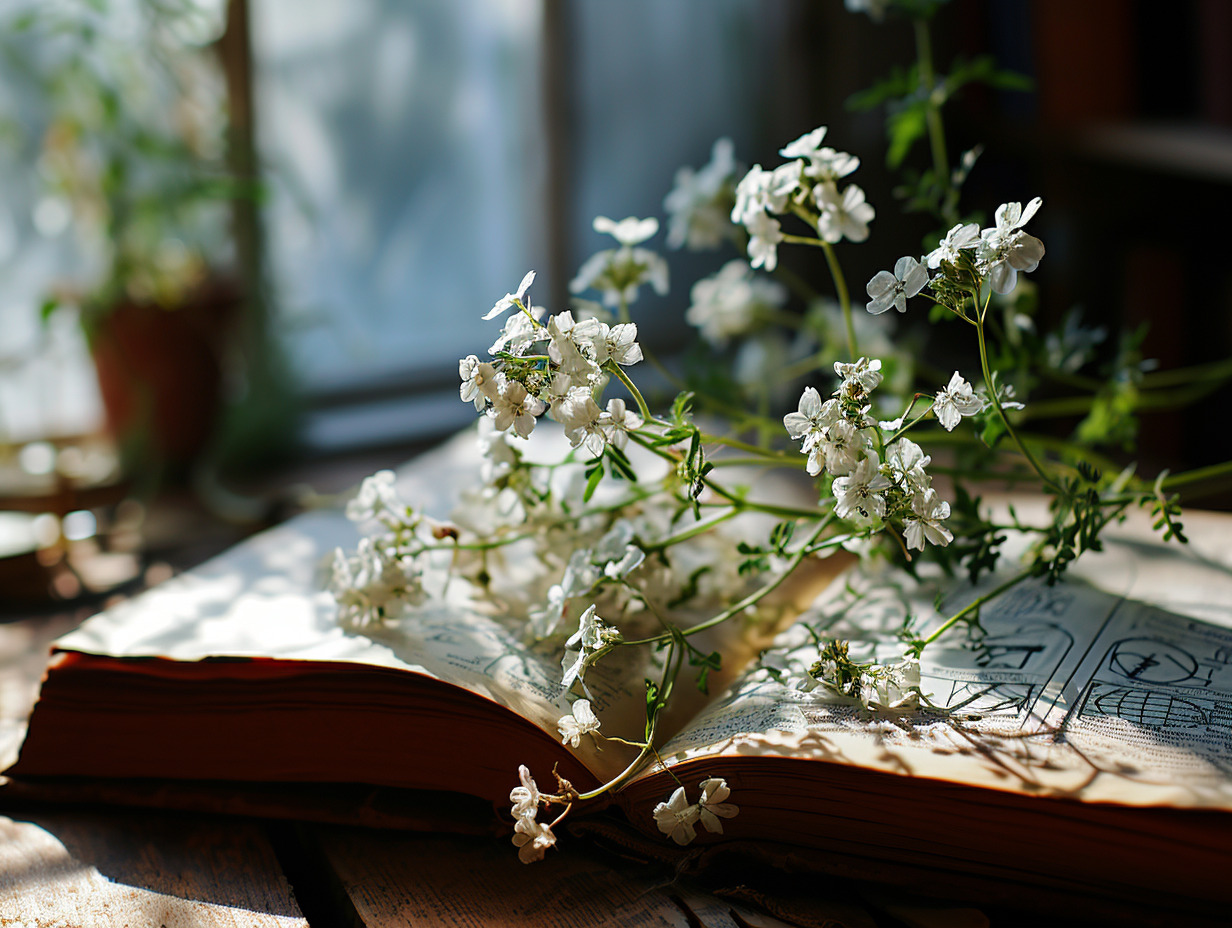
(681, 407)
(994, 430)
(593, 476)
(905, 127)
(620, 464)
(652, 705)
(899, 84)
(780, 535)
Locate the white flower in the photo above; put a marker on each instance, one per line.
(1005, 249)
(842, 446)
(620, 344)
(895, 289)
(629, 561)
(617, 343)
(676, 817)
(619, 272)
(711, 806)
(519, 332)
(376, 497)
(811, 418)
(762, 190)
(525, 798)
(617, 421)
(532, 839)
(845, 215)
(930, 512)
(958, 238)
(629, 231)
(956, 400)
(908, 461)
(509, 300)
(860, 378)
(806, 145)
(515, 407)
(592, 632)
(579, 414)
(373, 584)
(828, 164)
(697, 204)
(479, 381)
(592, 635)
(730, 302)
(496, 455)
(861, 491)
(765, 233)
(896, 686)
(564, 350)
(581, 722)
(821, 163)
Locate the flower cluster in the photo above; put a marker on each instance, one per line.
(581, 566)
(840, 438)
(731, 302)
(618, 272)
(531, 837)
(381, 579)
(966, 259)
(807, 187)
(554, 367)
(878, 687)
(700, 202)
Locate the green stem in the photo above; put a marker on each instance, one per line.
(670, 671)
(803, 240)
(698, 528)
(642, 408)
(796, 464)
(1198, 475)
(844, 298)
(1152, 400)
(753, 598)
(770, 509)
(975, 604)
(779, 457)
(936, 129)
(1220, 370)
(991, 386)
(895, 437)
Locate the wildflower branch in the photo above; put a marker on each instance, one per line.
(976, 603)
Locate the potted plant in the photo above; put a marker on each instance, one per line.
(135, 146)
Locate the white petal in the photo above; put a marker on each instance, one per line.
(882, 284)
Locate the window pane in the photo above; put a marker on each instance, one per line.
(402, 144)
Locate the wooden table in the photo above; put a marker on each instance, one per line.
(70, 866)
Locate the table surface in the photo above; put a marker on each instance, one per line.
(102, 867)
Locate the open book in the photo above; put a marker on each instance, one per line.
(1089, 746)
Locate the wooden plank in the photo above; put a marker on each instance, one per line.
(393, 880)
(102, 869)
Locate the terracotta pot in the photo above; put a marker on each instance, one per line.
(160, 372)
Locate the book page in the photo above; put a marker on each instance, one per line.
(266, 598)
(1065, 690)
